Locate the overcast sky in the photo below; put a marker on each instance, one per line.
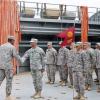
(89, 3)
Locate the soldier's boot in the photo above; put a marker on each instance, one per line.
(52, 82)
(60, 81)
(98, 90)
(48, 82)
(10, 98)
(77, 97)
(70, 86)
(38, 95)
(89, 87)
(82, 97)
(34, 94)
(86, 87)
(96, 80)
(63, 83)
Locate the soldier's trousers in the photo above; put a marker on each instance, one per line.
(51, 69)
(8, 73)
(98, 70)
(70, 72)
(63, 72)
(79, 82)
(88, 77)
(37, 79)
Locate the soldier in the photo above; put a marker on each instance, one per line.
(97, 52)
(70, 64)
(96, 71)
(7, 53)
(51, 57)
(62, 59)
(90, 63)
(37, 65)
(78, 72)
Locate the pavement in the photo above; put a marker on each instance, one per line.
(23, 89)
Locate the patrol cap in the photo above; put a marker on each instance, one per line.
(60, 42)
(73, 44)
(11, 37)
(78, 44)
(85, 43)
(89, 43)
(49, 43)
(98, 44)
(34, 40)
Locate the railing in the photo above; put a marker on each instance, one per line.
(56, 11)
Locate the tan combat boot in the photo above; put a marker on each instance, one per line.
(48, 82)
(10, 98)
(70, 86)
(82, 97)
(89, 87)
(63, 83)
(51, 82)
(38, 95)
(34, 95)
(77, 97)
(60, 81)
(98, 90)
(86, 87)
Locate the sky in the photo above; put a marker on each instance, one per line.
(89, 3)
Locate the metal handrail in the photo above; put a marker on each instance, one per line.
(40, 9)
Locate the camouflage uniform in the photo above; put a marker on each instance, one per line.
(37, 63)
(79, 64)
(7, 53)
(51, 57)
(90, 57)
(97, 52)
(62, 59)
(70, 65)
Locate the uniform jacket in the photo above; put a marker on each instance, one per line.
(7, 53)
(51, 56)
(97, 53)
(62, 56)
(79, 63)
(36, 57)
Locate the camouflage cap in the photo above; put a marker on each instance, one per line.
(11, 37)
(60, 42)
(98, 44)
(34, 40)
(78, 43)
(49, 43)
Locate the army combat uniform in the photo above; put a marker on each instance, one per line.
(7, 53)
(37, 64)
(97, 52)
(78, 73)
(70, 66)
(62, 59)
(90, 57)
(51, 57)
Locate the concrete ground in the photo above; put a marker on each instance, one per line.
(23, 89)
